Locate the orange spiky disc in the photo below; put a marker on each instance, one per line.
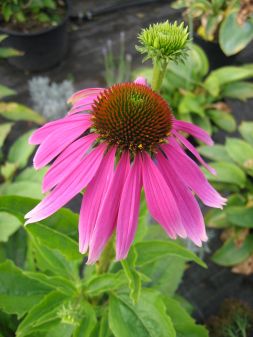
(132, 116)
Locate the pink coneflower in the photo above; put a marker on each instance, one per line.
(114, 142)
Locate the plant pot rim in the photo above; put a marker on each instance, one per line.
(43, 31)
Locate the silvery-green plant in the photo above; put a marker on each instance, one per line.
(50, 98)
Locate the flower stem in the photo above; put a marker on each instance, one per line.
(158, 75)
(106, 257)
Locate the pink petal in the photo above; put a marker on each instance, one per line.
(92, 199)
(141, 80)
(189, 209)
(160, 200)
(70, 187)
(108, 212)
(82, 108)
(129, 210)
(192, 149)
(193, 130)
(67, 161)
(84, 93)
(40, 134)
(191, 175)
(55, 143)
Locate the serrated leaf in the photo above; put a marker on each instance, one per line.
(42, 313)
(150, 251)
(53, 239)
(19, 112)
(9, 224)
(184, 324)
(147, 318)
(18, 293)
(231, 253)
(20, 151)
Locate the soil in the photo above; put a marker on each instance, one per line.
(32, 24)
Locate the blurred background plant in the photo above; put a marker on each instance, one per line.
(117, 64)
(228, 22)
(28, 13)
(50, 99)
(199, 96)
(234, 165)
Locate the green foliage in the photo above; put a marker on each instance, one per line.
(225, 21)
(199, 97)
(6, 52)
(21, 11)
(234, 175)
(53, 296)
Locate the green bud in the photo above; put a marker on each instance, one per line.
(164, 42)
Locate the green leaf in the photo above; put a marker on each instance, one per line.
(246, 130)
(234, 37)
(32, 175)
(230, 253)
(5, 91)
(191, 103)
(5, 128)
(241, 152)
(22, 188)
(8, 225)
(41, 314)
(241, 90)
(18, 112)
(133, 276)
(64, 221)
(99, 284)
(165, 279)
(147, 318)
(150, 251)
(87, 323)
(20, 151)
(18, 293)
(184, 324)
(240, 216)
(216, 218)
(55, 240)
(223, 120)
(215, 152)
(227, 173)
(9, 52)
(7, 171)
(142, 221)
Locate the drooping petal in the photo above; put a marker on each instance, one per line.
(83, 94)
(107, 217)
(191, 215)
(191, 175)
(76, 120)
(141, 80)
(193, 130)
(92, 199)
(67, 161)
(129, 209)
(54, 144)
(70, 187)
(192, 149)
(160, 200)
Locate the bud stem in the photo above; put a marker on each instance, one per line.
(158, 75)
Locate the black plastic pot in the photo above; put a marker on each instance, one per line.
(215, 55)
(42, 50)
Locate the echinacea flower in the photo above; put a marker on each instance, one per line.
(113, 142)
